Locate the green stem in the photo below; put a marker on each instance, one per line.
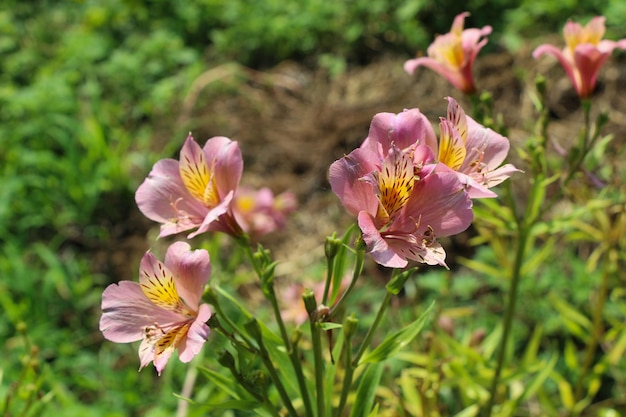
(348, 374)
(295, 361)
(292, 352)
(330, 266)
(508, 318)
(276, 379)
(584, 143)
(319, 366)
(370, 332)
(524, 227)
(358, 268)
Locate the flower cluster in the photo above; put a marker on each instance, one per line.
(200, 191)
(407, 188)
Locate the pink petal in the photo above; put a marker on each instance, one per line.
(146, 354)
(496, 176)
(345, 180)
(211, 222)
(404, 129)
(191, 270)
(163, 198)
(126, 312)
(377, 247)
(566, 63)
(493, 146)
(453, 76)
(439, 201)
(196, 336)
(431, 255)
(589, 60)
(228, 163)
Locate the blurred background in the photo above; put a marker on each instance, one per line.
(92, 93)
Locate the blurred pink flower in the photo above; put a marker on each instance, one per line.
(259, 212)
(452, 55)
(291, 297)
(163, 310)
(402, 204)
(584, 54)
(195, 192)
(473, 151)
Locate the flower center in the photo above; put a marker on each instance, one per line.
(199, 179)
(394, 184)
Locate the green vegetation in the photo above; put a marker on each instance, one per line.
(89, 93)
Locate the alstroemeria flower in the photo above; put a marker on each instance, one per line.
(452, 55)
(473, 151)
(402, 204)
(259, 212)
(195, 192)
(584, 54)
(163, 309)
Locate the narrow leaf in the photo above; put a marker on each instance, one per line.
(367, 390)
(396, 341)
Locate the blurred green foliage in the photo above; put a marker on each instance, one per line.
(86, 86)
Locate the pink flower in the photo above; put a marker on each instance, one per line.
(452, 55)
(260, 212)
(195, 192)
(402, 204)
(473, 151)
(584, 54)
(163, 310)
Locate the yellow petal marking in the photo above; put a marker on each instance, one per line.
(199, 180)
(395, 184)
(161, 291)
(452, 150)
(170, 340)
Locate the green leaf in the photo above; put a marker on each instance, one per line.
(374, 412)
(532, 348)
(220, 381)
(330, 325)
(367, 390)
(393, 343)
(226, 405)
(538, 380)
(576, 323)
(470, 411)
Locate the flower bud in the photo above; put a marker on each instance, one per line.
(309, 302)
(331, 246)
(350, 325)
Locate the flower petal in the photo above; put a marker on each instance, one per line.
(158, 285)
(191, 270)
(163, 198)
(377, 247)
(438, 201)
(405, 129)
(166, 344)
(451, 147)
(126, 312)
(228, 163)
(345, 180)
(196, 336)
(196, 173)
